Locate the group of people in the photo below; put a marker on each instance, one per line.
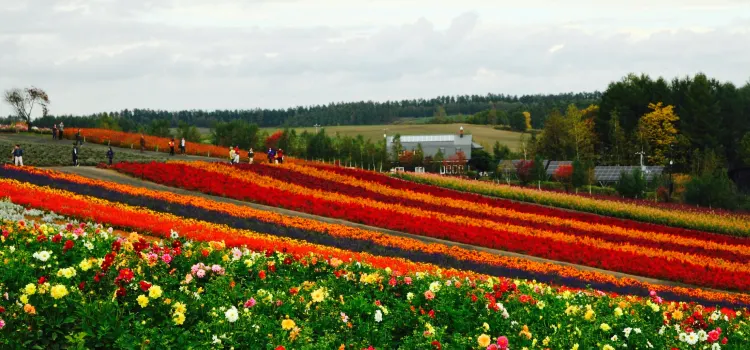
(274, 156)
(57, 131)
(17, 155)
(171, 144)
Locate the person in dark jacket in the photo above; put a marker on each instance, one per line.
(271, 155)
(171, 147)
(54, 132)
(110, 155)
(18, 155)
(143, 143)
(75, 154)
(79, 139)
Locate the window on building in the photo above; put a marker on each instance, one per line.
(458, 149)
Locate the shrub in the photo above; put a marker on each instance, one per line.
(632, 185)
(713, 189)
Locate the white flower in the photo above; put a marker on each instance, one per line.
(638, 330)
(12, 248)
(627, 332)
(378, 316)
(435, 287)
(683, 337)
(232, 315)
(702, 335)
(716, 346)
(174, 234)
(648, 343)
(692, 338)
(89, 245)
(43, 255)
(614, 337)
(216, 340)
(409, 296)
(715, 315)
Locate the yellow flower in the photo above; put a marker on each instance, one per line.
(545, 342)
(67, 272)
(24, 299)
(154, 292)
(590, 315)
(179, 307)
(483, 340)
(85, 265)
(618, 312)
(287, 324)
(486, 327)
(178, 318)
(677, 315)
(575, 347)
(608, 347)
(142, 300)
(30, 289)
(58, 291)
(318, 295)
(605, 327)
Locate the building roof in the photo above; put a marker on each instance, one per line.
(467, 140)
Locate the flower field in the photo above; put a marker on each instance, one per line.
(679, 216)
(662, 252)
(76, 284)
(153, 143)
(313, 231)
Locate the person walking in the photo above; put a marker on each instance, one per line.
(251, 155)
(110, 155)
(231, 155)
(60, 131)
(236, 154)
(79, 140)
(271, 154)
(54, 132)
(143, 143)
(75, 154)
(18, 155)
(280, 156)
(171, 147)
(182, 145)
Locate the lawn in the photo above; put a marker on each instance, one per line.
(483, 134)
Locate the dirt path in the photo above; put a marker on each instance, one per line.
(113, 176)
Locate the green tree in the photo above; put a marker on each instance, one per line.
(580, 174)
(500, 152)
(237, 133)
(396, 148)
(632, 185)
(712, 189)
(417, 159)
(744, 149)
(539, 171)
(480, 160)
(555, 140)
(517, 121)
(159, 127)
(190, 133)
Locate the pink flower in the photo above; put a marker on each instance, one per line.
(407, 280)
(392, 282)
(201, 273)
(502, 342)
(713, 335)
(652, 293)
(429, 295)
(2, 323)
(166, 258)
(250, 303)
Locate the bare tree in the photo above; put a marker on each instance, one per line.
(24, 100)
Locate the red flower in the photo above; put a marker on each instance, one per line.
(68, 245)
(436, 345)
(280, 347)
(377, 302)
(474, 298)
(272, 268)
(82, 285)
(262, 274)
(287, 261)
(269, 253)
(41, 238)
(293, 291)
(145, 286)
(431, 314)
(42, 280)
(392, 282)
(57, 238)
(2, 309)
(204, 252)
(125, 275)
(121, 292)
(724, 341)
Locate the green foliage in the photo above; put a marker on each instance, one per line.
(61, 154)
(539, 172)
(712, 189)
(236, 133)
(744, 149)
(396, 148)
(190, 133)
(480, 160)
(159, 127)
(580, 174)
(500, 152)
(517, 121)
(632, 185)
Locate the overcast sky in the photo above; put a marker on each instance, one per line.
(104, 55)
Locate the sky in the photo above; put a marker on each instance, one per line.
(106, 55)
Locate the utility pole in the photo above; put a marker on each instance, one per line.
(316, 127)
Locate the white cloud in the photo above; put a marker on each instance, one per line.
(179, 54)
